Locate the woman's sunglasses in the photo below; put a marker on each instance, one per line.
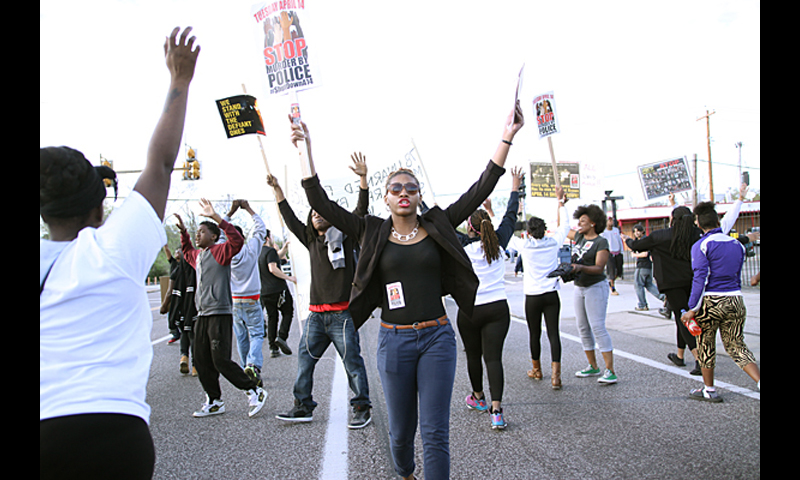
(396, 188)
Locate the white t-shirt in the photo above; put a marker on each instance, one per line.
(540, 257)
(492, 286)
(94, 316)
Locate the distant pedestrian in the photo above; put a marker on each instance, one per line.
(643, 276)
(484, 330)
(591, 291)
(179, 302)
(716, 301)
(213, 333)
(539, 253)
(615, 258)
(275, 296)
(333, 265)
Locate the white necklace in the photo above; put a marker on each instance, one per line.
(405, 238)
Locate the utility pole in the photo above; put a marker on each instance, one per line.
(739, 146)
(708, 138)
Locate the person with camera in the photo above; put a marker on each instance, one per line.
(590, 256)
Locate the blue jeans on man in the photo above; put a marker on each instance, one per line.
(248, 326)
(320, 330)
(643, 279)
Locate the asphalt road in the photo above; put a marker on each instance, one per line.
(644, 427)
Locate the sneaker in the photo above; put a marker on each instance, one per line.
(477, 404)
(213, 408)
(253, 372)
(258, 397)
(642, 309)
(184, 365)
(281, 343)
(274, 352)
(696, 370)
(175, 338)
(705, 396)
(588, 372)
(498, 422)
(298, 414)
(674, 358)
(608, 377)
(361, 417)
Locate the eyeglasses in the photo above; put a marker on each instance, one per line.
(396, 188)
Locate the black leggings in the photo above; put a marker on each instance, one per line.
(678, 299)
(549, 305)
(103, 445)
(484, 334)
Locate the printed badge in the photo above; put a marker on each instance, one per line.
(394, 292)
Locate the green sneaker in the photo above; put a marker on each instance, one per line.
(588, 372)
(608, 377)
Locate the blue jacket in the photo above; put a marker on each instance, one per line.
(717, 267)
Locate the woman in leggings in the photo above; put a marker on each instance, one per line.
(539, 255)
(407, 263)
(484, 332)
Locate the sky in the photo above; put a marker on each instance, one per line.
(630, 81)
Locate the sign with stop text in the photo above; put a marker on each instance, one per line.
(286, 52)
(546, 120)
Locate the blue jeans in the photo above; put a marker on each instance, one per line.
(418, 368)
(320, 330)
(643, 279)
(248, 326)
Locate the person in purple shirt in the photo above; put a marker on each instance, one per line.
(716, 301)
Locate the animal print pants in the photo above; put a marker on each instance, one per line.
(726, 314)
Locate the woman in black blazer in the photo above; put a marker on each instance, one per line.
(407, 263)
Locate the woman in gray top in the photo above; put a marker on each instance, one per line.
(590, 256)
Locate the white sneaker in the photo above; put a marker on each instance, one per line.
(214, 408)
(258, 398)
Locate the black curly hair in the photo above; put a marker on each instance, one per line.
(69, 186)
(595, 214)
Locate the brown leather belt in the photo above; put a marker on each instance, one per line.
(418, 325)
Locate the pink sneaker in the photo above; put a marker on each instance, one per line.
(476, 404)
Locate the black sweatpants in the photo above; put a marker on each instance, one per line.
(484, 334)
(101, 445)
(549, 305)
(213, 335)
(273, 303)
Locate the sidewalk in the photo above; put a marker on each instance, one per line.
(622, 315)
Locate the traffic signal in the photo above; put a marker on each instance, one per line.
(191, 166)
(110, 164)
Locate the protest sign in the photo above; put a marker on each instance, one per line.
(543, 184)
(546, 119)
(287, 55)
(240, 115)
(659, 179)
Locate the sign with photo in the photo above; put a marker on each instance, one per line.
(544, 185)
(662, 178)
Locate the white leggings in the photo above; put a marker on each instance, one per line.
(590, 314)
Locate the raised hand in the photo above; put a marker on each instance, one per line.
(181, 59)
(359, 164)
